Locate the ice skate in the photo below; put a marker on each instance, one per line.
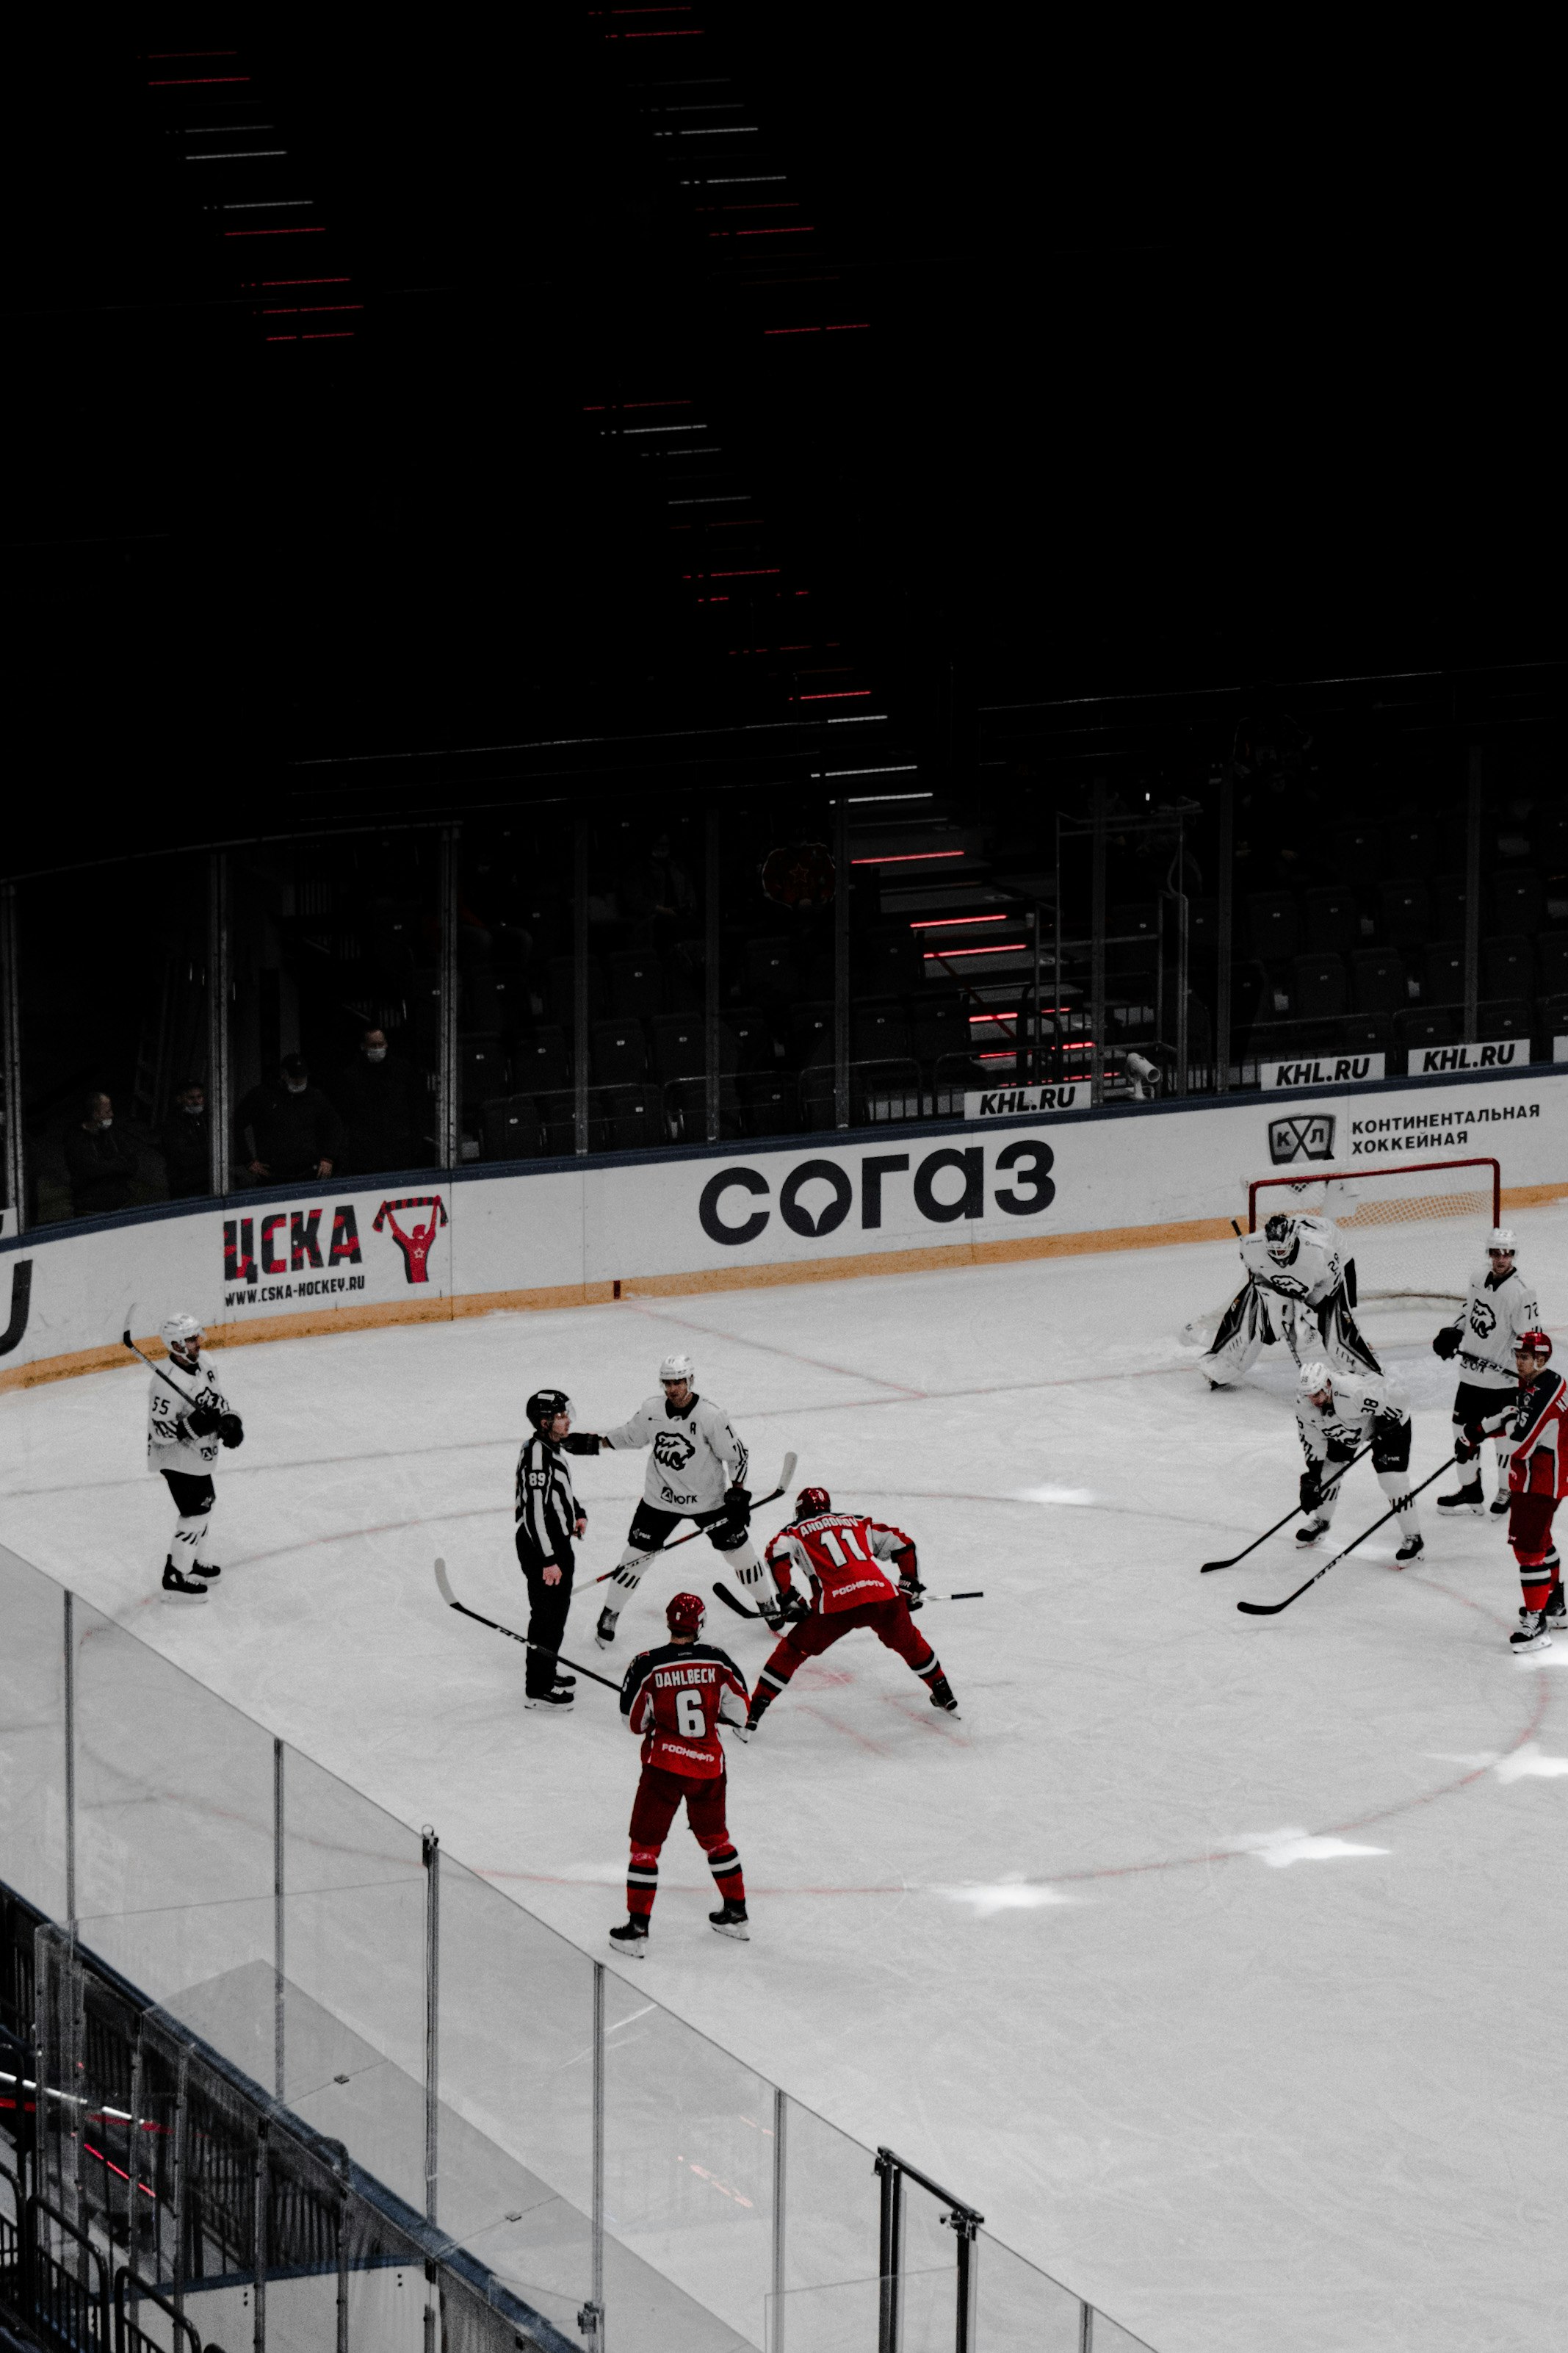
(1310, 1533)
(174, 1583)
(1411, 1549)
(1471, 1497)
(631, 1939)
(1555, 1613)
(1500, 1503)
(207, 1568)
(730, 1920)
(941, 1696)
(557, 1696)
(605, 1631)
(1530, 1633)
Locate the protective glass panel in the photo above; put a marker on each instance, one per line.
(831, 2202)
(845, 2317)
(1016, 2304)
(689, 2157)
(174, 1836)
(32, 1735)
(517, 2095)
(353, 2021)
(1108, 2336)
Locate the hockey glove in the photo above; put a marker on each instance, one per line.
(203, 1420)
(231, 1429)
(738, 1506)
(1446, 1342)
(911, 1591)
(1311, 1487)
(1467, 1445)
(580, 1441)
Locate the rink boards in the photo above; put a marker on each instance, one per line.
(427, 1247)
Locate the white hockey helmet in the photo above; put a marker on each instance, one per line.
(678, 1368)
(1502, 1239)
(1313, 1378)
(182, 1332)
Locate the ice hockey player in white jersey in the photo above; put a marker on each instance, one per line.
(1336, 1413)
(188, 1419)
(1298, 1288)
(1500, 1306)
(697, 1470)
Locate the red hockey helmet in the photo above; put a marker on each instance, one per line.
(1534, 1344)
(685, 1613)
(811, 1500)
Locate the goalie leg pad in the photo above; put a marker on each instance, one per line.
(1244, 1329)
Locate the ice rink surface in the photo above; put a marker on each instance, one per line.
(1218, 1961)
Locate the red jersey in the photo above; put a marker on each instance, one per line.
(838, 1552)
(1539, 1465)
(675, 1697)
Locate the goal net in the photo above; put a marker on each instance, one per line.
(1416, 1231)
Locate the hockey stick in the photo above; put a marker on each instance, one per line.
(184, 1395)
(1272, 1608)
(1211, 1564)
(786, 1475)
(742, 1611)
(450, 1599)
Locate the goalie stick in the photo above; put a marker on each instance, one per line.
(742, 1610)
(1272, 1608)
(1209, 1565)
(786, 1475)
(450, 1599)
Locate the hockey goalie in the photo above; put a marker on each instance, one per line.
(1298, 1288)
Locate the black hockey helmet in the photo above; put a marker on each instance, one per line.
(1280, 1233)
(545, 1404)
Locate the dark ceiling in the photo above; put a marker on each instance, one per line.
(398, 410)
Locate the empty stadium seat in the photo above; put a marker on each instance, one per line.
(770, 969)
(889, 962)
(753, 1034)
(1443, 973)
(768, 1102)
(1319, 990)
(1552, 963)
(878, 1030)
(620, 1052)
(808, 1024)
(1412, 845)
(1378, 980)
(1358, 854)
(563, 987)
(1273, 927)
(1424, 1026)
(686, 1106)
(1446, 902)
(1332, 919)
(1518, 902)
(512, 1129)
(484, 1069)
(626, 1118)
(1404, 915)
(940, 1028)
(1508, 967)
(1502, 1017)
(541, 1062)
(636, 985)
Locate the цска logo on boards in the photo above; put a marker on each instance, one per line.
(1309, 1137)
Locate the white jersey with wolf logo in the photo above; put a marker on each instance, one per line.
(1313, 1271)
(1361, 1405)
(1490, 1324)
(696, 1454)
(170, 1445)
(1302, 1302)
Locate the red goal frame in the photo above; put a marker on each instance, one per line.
(1306, 1174)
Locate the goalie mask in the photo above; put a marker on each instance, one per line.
(1280, 1233)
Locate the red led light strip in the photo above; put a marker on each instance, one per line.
(910, 858)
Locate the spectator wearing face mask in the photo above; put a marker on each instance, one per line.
(186, 1143)
(288, 1128)
(100, 1160)
(383, 1101)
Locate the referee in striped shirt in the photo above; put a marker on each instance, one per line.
(548, 1516)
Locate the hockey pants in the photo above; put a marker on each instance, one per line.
(654, 1808)
(1529, 1533)
(547, 1607)
(888, 1621)
(193, 1499)
(651, 1530)
(1472, 1403)
(1391, 1462)
(1248, 1325)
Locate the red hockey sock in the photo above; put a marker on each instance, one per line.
(642, 1880)
(1536, 1590)
(931, 1671)
(725, 1865)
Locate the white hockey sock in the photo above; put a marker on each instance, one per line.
(743, 1560)
(1395, 1485)
(1504, 1456)
(626, 1579)
(190, 1542)
(1329, 1504)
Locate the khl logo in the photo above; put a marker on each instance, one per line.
(1308, 1138)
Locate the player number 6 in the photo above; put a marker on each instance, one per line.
(689, 1714)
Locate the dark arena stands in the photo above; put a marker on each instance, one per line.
(620, 587)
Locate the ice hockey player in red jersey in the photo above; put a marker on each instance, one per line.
(837, 1554)
(1535, 1419)
(675, 1697)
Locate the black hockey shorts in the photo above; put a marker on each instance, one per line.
(1473, 1403)
(193, 1493)
(1391, 1442)
(651, 1529)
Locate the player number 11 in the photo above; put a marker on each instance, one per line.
(831, 1539)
